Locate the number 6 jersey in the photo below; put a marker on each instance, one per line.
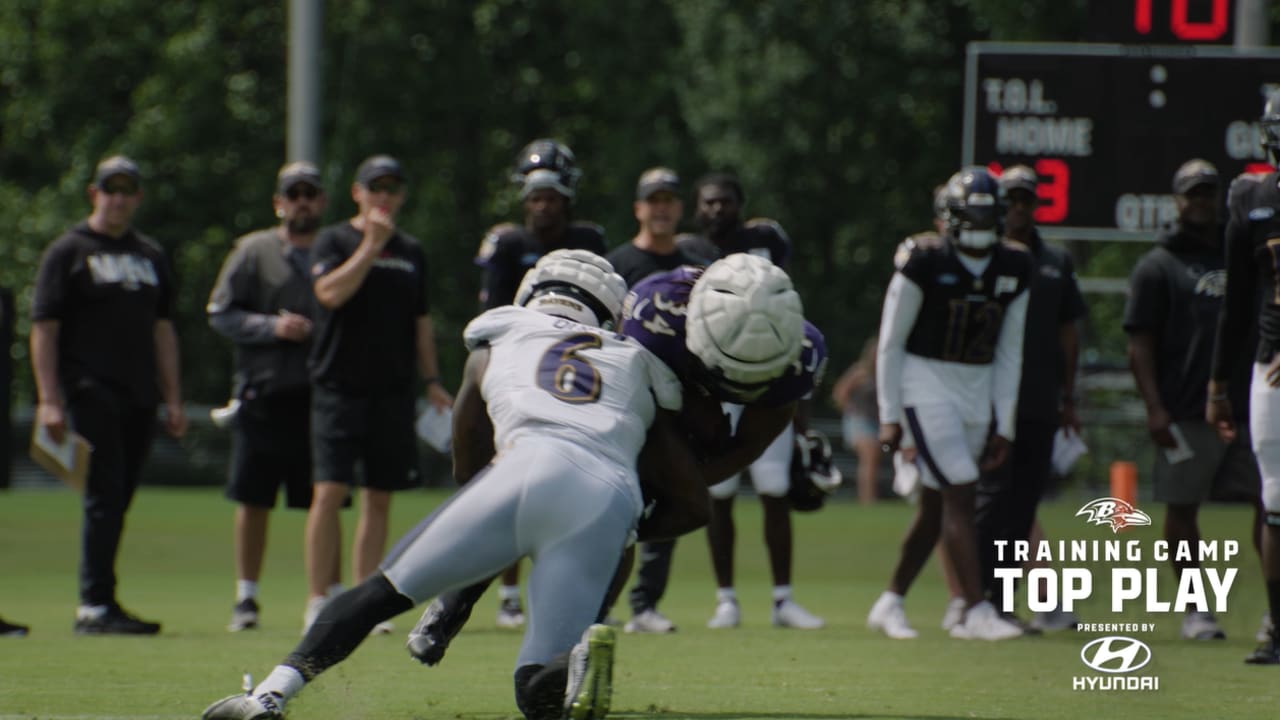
(552, 376)
(951, 332)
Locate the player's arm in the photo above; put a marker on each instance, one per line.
(1006, 377)
(757, 428)
(1236, 315)
(902, 303)
(672, 481)
(472, 429)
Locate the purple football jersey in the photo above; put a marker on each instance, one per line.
(654, 314)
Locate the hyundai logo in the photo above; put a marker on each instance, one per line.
(1116, 654)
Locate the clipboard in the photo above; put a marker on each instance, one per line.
(68, 461)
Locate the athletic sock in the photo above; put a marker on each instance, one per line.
(781, 593)
(726, 595)
(1273, 602)
(509, 592)
(283, 682)
(246, 590)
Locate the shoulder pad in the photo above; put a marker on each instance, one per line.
(587, 226)
(922, 242)
(489, 243)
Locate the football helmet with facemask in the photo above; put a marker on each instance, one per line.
(545, 163)
(574, 284)
(813, 475)
(1269, 127)
(973, 208)
(744, 326)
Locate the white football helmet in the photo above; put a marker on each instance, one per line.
(574, 284)
(745, 323)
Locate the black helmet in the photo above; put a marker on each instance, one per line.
(545, 163)
(973, 208)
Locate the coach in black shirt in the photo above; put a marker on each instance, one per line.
(1009, 494)
(373, 336)
(657, 209)
(104, 353)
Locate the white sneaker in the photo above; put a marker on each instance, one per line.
(1053, 620)
(314, 607)
(953, 614)
(246, 707)
(382, 628)
(982, 622)
(1264, 630)
(1201, 626)
(510, 615)
(888, 617)
(788, 613)
(649, 621)
(727, 615)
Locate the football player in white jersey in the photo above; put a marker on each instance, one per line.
(951, 349)
(551, 419)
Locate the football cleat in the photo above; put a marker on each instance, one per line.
(1201, 626)
(983, 622)
(954, 613)
(383, 628)
(888, 617)
(727, 615)
(244, 616)
(1052, 620)
(649, 621)
(510, 614)
(115, 620)
(1268, 653)
(429, 639)
(266, 706)
(590, 686)
(789, 614)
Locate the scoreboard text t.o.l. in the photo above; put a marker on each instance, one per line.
(1106, 126)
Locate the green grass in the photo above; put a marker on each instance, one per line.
(176, 567)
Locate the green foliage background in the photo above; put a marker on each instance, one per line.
(839, 116)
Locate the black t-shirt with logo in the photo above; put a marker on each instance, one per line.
(634, 264)
(106, 294)
(369, 343)
(1175, 294)
(758, 236)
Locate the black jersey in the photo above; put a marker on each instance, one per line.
(961, 316)
(508, 251)
(759, 236)
(634, 264)
(370, 342)
(1253, 263)
(106, 294)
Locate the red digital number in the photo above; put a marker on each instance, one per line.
(1054, 190)
(1180, 22)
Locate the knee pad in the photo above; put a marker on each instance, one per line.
(540, 689)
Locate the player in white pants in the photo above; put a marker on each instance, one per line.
(550, 421)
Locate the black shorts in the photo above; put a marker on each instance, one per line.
(372, 430)
(270, 447)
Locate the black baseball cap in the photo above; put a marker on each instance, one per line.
(378, 166)
(1193, 173)
(113, 166)
(1018, 177)
(293, 173)
(655, 180)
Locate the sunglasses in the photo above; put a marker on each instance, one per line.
(119, 189)
(302, 191)
(390, 187)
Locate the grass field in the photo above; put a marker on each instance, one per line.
(176, 567)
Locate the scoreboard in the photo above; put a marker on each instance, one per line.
(1106, 126)
(1162, 22)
